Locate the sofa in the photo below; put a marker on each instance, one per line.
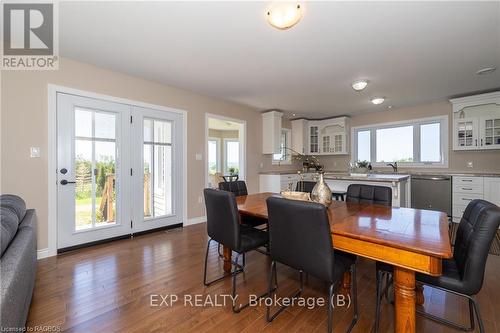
(17, 262)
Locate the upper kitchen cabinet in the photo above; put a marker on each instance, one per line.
(321, 137)
(271, 132)
(476, 122)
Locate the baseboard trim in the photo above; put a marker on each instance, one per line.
(196, 220)
(43, 253)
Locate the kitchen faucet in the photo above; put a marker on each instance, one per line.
(394, 166)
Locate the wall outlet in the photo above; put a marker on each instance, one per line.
(200, 199)
(198, 157)
(35, 152)
(470, 164)
(261, 165)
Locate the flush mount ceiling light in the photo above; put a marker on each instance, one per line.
(284, 15)
(378, 100)
(359, 85)
(487, 70)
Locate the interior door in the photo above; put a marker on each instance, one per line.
(93, 183)
(158, 168)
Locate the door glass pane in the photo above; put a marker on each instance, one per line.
(105, 182)
(148, 162)
(395, 144)
(430, 143)
(364, 146)
(83, 123)
(83, 188)
(157, 168)
(95, 166)
(162, 131)
(104, 126)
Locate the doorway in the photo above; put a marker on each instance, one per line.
(225, 149)
(119, 169)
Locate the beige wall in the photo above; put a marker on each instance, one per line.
(488, 161)
(24, 124)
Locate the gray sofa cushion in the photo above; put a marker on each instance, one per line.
(18, 271)
(14, 203)
(9, 225)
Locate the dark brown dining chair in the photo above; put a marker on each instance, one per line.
(305, 186)
(239, 188)
(463, 274)
(299, 237)
(223, 226)
(374, 195)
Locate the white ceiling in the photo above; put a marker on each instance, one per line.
(222, 125)
(411, 52)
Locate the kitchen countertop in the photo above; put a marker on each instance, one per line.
(374, 177)
(405, 173)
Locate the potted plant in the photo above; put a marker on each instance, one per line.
(360, 168)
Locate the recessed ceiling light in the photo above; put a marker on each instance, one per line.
(487, 70)
(389, 107)
(284, 15)
(359, 85)
(293, 114)
(378, 100)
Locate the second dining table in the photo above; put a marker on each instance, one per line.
(412, 240)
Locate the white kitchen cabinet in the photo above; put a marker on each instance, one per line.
(299, 135)
(490, 132)
(466, 133)
(271, 132)
(465, 189)
(328, 136)
(492, 190)
(476, 122)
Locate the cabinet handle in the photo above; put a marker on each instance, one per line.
(476, 142)
(467, 188)
(481, 142)
(467, 180)
(465, 199)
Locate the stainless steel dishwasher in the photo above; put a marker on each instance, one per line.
(431, 192)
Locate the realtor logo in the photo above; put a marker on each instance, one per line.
(29, 36)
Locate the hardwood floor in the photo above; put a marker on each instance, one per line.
(108, 288)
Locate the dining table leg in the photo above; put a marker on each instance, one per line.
(226, 252)
(420, 294)
(346, 284)
(405, 300)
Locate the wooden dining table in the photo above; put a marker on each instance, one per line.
(412, 240)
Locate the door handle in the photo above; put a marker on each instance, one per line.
(64, 182)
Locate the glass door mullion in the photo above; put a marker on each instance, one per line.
(93, 171)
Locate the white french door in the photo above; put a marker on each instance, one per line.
(119, 169)
(157, 189)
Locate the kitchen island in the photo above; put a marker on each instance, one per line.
(399, 184)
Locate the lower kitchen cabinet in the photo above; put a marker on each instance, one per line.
(466, 189)
(281, 182)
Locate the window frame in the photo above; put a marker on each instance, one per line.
(287, 154)
(416, 123)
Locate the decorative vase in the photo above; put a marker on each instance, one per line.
(321, 193)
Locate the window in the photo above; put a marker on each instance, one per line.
(232, 156)
(214, 156)
(284, 157)
(419, 142)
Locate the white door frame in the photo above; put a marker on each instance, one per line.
(52, 153)
(242, 137)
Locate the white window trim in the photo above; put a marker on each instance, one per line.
(219, 161)
(288, 155)
(420, 121)
(224, 163)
